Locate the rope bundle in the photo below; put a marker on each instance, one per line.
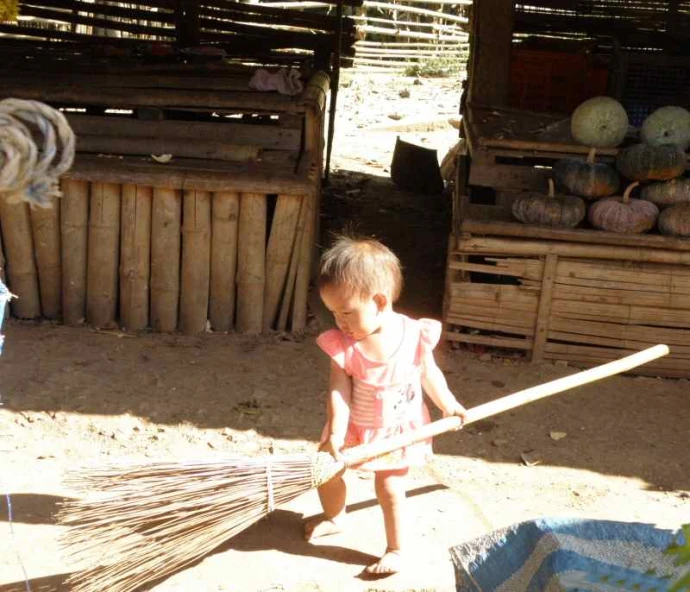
(36, 148)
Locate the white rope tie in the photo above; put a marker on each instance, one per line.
(269, 483)
(36, 149)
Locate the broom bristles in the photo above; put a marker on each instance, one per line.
(142, 522)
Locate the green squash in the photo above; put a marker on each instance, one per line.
(644, 162)
(600, 122)
(586, 178)
(556, 211)
(667, 125)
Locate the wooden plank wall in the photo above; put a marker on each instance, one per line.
(584, 311)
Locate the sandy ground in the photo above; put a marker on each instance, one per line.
(75, 395)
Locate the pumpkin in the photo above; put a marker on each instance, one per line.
(600, 122)
(667, 125)
(557, 211)
(622, 214)
(644, 162)
(586, 178)
(675, 220)
(667, 193)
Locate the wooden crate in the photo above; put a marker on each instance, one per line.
(222, 235)
(583, 296)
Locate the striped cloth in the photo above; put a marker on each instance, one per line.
(568, 555)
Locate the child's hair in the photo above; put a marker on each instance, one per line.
(362, 266)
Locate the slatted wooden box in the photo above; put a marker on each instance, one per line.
(221, 236)
(583, 296)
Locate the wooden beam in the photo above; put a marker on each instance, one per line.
(542, 325)
(490, 41)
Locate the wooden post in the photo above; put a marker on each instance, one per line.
(74, 219)
(103, 255)
(3, 261)
(541, 328)
(490, 45)
(196, 261)
(45, 223)
(166, 218)
(21, 268)
(289, 291)
(299, 309)
(251, 264)
(225, 213)
(281, 244)
(135, 255)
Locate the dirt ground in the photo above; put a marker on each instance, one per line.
(615, 450)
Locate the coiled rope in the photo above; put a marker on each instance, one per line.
(36, 147)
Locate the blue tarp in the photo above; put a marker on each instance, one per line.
(568, 555)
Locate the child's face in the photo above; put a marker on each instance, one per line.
(355, 316)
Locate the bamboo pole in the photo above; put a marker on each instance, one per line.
(74, 222)
(437, 26)
(299, 309)
(261, 136)
(135, 256)
(166, 217)
(402, 34)
(281, 243)
(21, 268)
(407, 44)
(45, 223)
(421, 11)
(498, 246)
(251, 265)
(203, 175)
(438, 2)
(225, 214)
(181, 148)
(196, 261)
(103, 255)
(376, 52)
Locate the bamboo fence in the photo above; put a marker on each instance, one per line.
(401, 36)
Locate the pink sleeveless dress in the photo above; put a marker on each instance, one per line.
(386, 396)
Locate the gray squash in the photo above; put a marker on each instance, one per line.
(556, 211)
(622, 214)
(667, 193)
(675, 220)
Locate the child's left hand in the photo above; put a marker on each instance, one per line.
(457, 410)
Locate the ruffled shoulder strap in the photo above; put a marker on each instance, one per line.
(429, 336)
(336, 347)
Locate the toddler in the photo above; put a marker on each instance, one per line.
(380, 361)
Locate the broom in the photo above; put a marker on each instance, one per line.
(146, 521)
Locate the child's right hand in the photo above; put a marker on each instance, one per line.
(334, 446)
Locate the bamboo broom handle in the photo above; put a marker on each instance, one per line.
(365, 452)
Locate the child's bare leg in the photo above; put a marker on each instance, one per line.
(332, 494)
(391, 491)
